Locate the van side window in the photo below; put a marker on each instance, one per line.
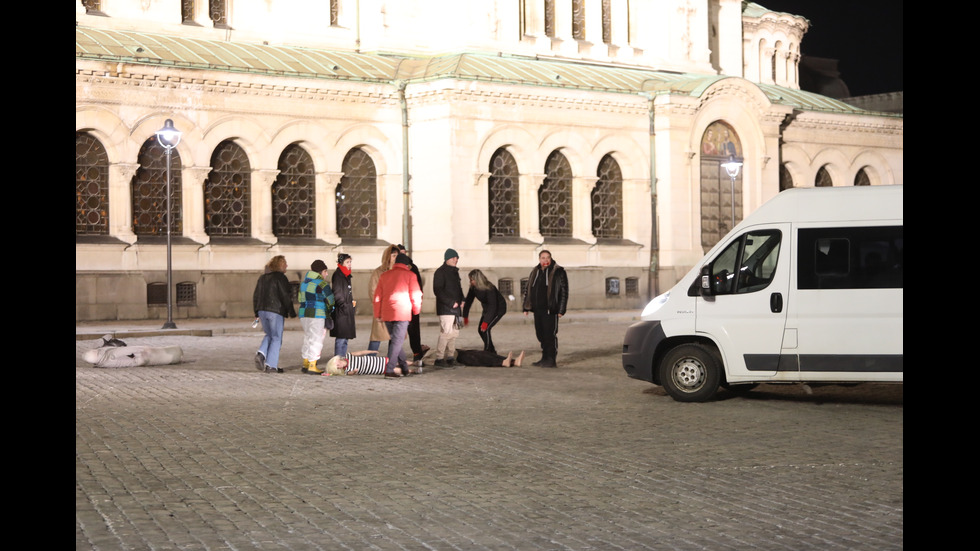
(747, 264)
(851, 258)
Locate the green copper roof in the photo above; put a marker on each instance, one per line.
(190, 53)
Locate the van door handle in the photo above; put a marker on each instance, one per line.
(776, 302)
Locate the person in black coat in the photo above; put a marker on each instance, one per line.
(448, 289)
(344, 327)
(493, 303)
(272, 302)
(546, 296)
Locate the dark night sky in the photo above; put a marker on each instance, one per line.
(865, 36)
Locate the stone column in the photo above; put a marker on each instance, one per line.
(192, 200)
(326, 206)
(121, 201)
(261, 190)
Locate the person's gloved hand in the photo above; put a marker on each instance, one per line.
(466, 321)
(483, 326)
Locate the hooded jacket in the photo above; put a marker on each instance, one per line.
(315, 297)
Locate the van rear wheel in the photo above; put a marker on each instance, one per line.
(690, 373)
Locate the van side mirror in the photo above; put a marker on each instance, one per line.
(706, 289)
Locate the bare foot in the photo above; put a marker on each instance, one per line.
(507, 361)
(520, 358)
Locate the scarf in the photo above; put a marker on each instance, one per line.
(344, 270)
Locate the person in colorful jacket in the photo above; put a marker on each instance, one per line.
(315, 305)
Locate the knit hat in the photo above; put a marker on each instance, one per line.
(318, 266)
(450, 253)
(403, 258)
(342, 257)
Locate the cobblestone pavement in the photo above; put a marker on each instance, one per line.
(211, 454)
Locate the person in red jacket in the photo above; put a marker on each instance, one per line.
(396, 298)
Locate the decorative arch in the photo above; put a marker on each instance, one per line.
(720, 193)
(91, 186)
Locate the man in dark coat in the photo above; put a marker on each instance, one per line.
(448, 289)
(546, 296)
(344, 327)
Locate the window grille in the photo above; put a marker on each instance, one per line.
(227, 192)
(149, 191)
(91, 186)
(718, 144)
(555, 197)
(607, 200)
(357, 202)
(632, 287)
(578, 19)
(504, 195)
(506, 286)
(186, 294)
(861, 178)
(294, 195)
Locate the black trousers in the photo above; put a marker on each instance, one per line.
(415, 334)
(485, 335)
(546, 329)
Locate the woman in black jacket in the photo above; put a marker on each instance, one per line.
(494, 306)
(344, 328)
(272, 302)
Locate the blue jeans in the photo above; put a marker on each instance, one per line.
(396, 355)
(340, 347)
(272, 324)
(374, 345)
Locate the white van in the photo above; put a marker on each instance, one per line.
(807, 289)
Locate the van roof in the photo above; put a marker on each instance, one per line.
(824, 204)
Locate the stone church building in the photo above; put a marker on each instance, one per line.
(596, 129)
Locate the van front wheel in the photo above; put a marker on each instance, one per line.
(690, 373)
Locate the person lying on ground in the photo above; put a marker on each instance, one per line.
(133, 356)
(365, 362)
(483, 358)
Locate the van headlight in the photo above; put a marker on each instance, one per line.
(655, 304)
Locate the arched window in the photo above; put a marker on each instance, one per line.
(607, 200)
(218, 10)
(91, 186)
(504, 195)
(357, 197)
(294, 195)
(549, 18)
(718, 144)
(607, 21)
(149, 191)
(862, 178)
(578, 19)
(555, 197)
(227, 192)
(785, 178)
(823, 178)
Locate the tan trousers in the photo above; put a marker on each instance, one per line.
(446, 346)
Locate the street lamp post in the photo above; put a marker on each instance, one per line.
(169, 137)
(732, 167)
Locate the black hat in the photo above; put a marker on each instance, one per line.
(318, 266)
(342, 257)
(403, 258)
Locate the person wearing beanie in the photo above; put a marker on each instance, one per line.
(315, 306)
(344, 327)
(448, 289)
(396, 298)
